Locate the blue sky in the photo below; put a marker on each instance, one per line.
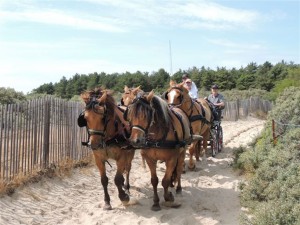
(43, 40)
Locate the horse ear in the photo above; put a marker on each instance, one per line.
(85, 97)
(102, 99)
(126, 89)
(136, 90)
(172, 83)
(150, 96)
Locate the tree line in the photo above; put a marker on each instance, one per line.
(267, 77)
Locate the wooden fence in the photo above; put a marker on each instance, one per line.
(39, 133)
(44, 132)
(240, 109)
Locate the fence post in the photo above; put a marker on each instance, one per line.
(274, 133)
(46, 133)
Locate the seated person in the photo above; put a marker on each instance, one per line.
(217, 101)
(193, 89)
(192, 92)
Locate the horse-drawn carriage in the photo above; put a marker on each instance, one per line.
(162, 128)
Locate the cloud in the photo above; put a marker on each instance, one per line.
(236, 46)
(63, 18)
(191, 14)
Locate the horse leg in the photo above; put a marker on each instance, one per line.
(197, 152)
(119, 180)
(205, 139)
(179, 170)
(166, 181)
(129, 157)
(154, 180)
(144, 163)
(104, 179)
(192, 148)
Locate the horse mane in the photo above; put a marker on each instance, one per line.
(162, 112)
(160, 107)
(96, 93)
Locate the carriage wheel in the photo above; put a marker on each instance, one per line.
(220, 138)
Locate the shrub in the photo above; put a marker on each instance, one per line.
(273, 192)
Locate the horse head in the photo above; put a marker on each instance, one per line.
(176, 94)
(140, 116)
(129, 95)
(97, 112)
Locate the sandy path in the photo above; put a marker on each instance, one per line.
(210, 193)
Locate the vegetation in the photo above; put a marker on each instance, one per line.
(9, 96)
(273, 191)
(260, 79)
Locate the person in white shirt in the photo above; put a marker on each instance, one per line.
(191, 86)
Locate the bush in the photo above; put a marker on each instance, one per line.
(10, 96)
(273, 192)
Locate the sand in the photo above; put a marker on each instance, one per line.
(210, 193)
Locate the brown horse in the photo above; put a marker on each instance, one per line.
(107, 140)
(129, 95)
(127, 98)
(162, 134)
(198, 113)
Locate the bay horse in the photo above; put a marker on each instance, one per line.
(107, 140)
(162, 134)
(129, 95)
(127, 98)
(199, 114)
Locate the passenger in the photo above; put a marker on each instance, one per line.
(193, 90)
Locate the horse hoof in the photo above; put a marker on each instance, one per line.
(155, 208)
(125, 198)
(192, 167)
(172, 204)
(170, 197)
(178, 191)
(107, 206)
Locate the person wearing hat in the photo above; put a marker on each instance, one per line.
(190, 85)
(217, 100)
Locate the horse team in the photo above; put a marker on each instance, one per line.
(162, 127)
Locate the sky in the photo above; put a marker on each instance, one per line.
(43, 40)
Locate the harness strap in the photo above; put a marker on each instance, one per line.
(165, 144)
(96, 132)
(119, 140)
(178, 116)
(199, 117)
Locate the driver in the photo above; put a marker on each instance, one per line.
(217, 100)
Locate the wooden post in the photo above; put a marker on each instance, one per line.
(46, 133)
(274, 133)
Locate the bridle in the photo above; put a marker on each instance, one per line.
(181, 96)
(82, 121)
(171, 105)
